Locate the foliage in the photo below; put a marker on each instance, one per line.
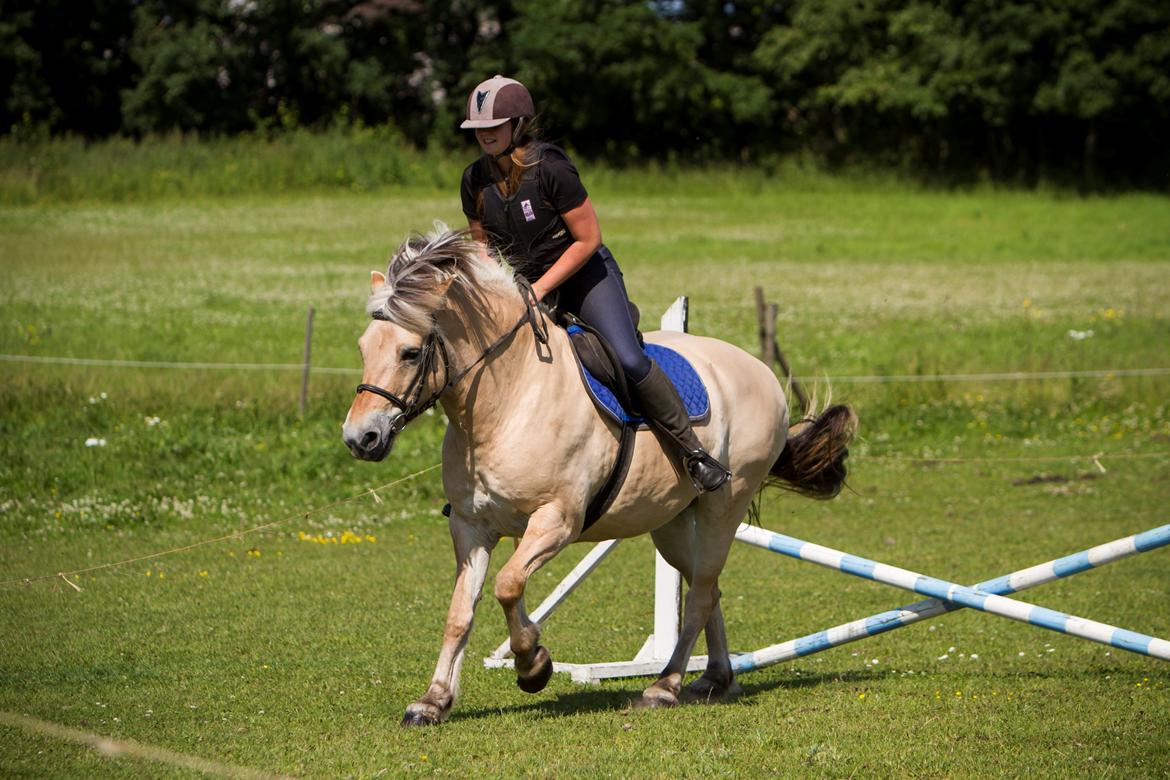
(176, 166)
(1019, 86)
(1076, 91)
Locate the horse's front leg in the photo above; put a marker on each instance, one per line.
(549, 530)
(473, 548)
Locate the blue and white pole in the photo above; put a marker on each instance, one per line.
(987, 596)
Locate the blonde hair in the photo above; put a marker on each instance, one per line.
(525, 156)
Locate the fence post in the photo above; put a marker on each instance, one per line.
(761, 327)
(770, 352)
(308, 361)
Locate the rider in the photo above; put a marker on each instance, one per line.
(525, 199)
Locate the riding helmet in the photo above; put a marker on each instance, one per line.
(497, 100)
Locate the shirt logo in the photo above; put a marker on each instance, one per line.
(480, 98)
(529, 214)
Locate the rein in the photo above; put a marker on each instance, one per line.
(412, 404)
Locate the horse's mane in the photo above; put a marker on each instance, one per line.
(421, 265)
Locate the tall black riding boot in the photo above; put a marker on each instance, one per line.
(663, 408)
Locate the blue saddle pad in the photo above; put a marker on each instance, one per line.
(686, 380)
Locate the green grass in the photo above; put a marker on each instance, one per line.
(277, 652)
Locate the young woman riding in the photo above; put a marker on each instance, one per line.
(524, 199)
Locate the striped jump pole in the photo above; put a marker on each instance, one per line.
(975, 598)
(1023, 579)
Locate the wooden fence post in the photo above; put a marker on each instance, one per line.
(308, 361)
(770, 352)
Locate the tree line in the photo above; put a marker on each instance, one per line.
(1067, 90)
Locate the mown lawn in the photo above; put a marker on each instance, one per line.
(283, 651)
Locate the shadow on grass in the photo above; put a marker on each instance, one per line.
(614, 699)
(595, 700)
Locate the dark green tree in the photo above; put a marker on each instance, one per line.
(63, 63)
(622, 78)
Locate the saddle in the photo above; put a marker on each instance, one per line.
(605, 381)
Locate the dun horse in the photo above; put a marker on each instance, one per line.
(526, 450)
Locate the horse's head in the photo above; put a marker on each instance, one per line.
(404, 353)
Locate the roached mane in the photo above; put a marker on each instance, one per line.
(421, 265)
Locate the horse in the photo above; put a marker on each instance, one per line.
(526, 449)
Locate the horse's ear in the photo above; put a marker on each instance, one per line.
(443, 286)
(377, 281)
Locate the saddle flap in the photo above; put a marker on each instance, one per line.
(606, 384)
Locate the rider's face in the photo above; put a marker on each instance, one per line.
(494, 140)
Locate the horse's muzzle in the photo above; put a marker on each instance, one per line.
(374, 437)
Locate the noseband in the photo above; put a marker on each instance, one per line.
(411, 403)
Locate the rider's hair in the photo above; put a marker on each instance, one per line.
(524, 156)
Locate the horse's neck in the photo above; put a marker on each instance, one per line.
(492, 393)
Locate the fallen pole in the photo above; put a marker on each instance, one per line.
(1023, 579)
(986, 596)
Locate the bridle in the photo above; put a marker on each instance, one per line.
(411, 403)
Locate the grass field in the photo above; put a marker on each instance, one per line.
(286, 652)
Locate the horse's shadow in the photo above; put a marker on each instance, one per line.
(623, 699)
(590, 700)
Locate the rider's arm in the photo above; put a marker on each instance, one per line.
(480, 236)
(477, 231)
(586, 231)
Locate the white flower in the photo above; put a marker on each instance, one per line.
(1080, 335)
(92, 442)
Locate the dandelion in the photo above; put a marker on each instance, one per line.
(203, 573)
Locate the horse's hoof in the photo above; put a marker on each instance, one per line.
(413, 718)
(535, 682)
(655, 701)
(707, 691)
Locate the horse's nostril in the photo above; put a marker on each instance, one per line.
(370, 440)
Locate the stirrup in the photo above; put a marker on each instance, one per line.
(700, 458)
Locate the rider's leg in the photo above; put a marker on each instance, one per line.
(597, 294)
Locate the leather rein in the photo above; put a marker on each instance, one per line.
(411, 403)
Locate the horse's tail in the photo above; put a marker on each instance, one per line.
(813, 460)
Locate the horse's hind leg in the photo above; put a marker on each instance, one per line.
(547, 534)
(676, 542)
(718, 681)
(697, 543)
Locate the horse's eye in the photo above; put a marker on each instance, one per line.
(410, 354)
